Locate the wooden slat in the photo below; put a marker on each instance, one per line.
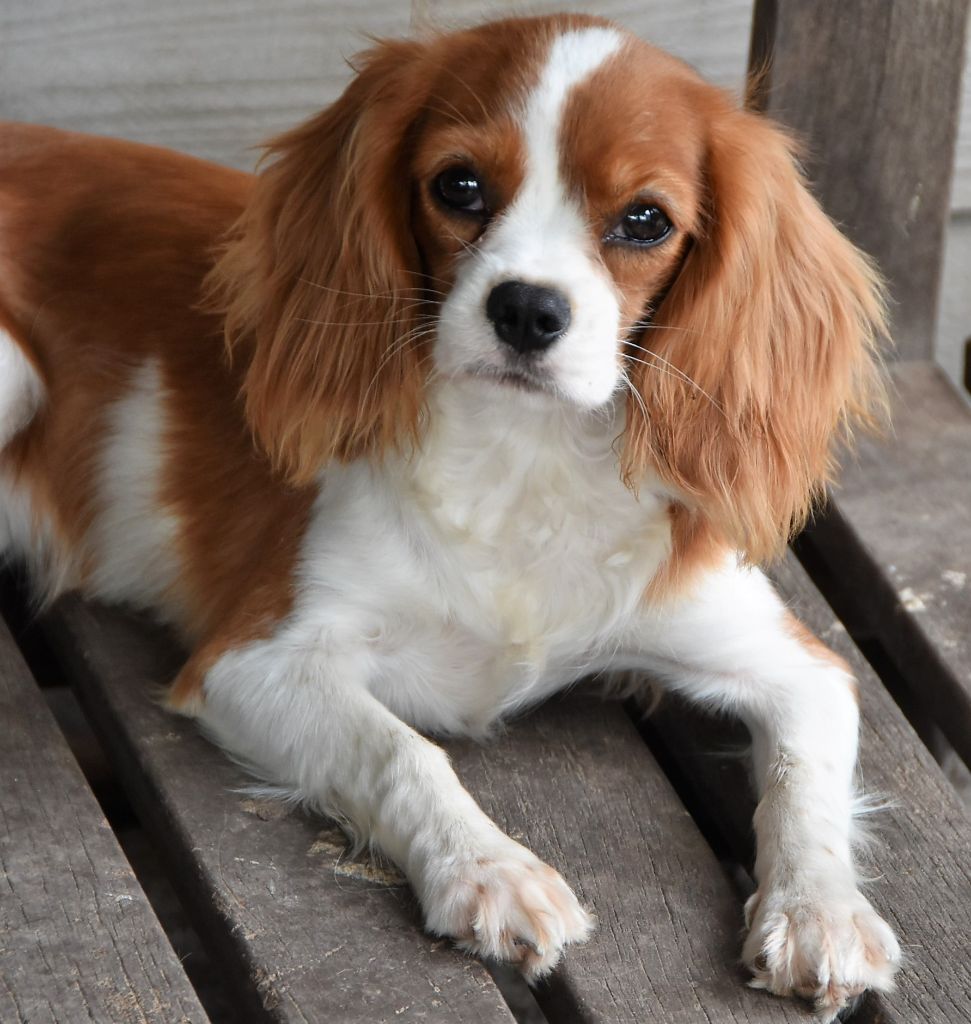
(574, 782)
(899, 538)
(577, 785)
(921, 863)
(302, 934)
(78, 938)
(873, 87)
(216, 77)
(712, 37)
(213, 78)
(961, 193)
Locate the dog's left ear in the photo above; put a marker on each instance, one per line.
(773, 318)
(320, 279)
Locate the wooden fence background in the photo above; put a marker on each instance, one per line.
(214, 77)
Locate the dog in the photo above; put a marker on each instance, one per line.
(509, 367)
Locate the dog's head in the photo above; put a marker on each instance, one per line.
(551, 205)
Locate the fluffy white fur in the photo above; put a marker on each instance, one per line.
(23, 529)
(21, 390)
(133, 542)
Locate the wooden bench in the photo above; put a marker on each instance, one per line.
(649, 820)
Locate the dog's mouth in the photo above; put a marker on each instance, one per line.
(518, 378)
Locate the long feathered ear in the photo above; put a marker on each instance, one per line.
(319, 280)
(770, 330)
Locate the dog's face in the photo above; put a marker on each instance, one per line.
(553, 207)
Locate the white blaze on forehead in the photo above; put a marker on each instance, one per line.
(542, 237)
(573, 57)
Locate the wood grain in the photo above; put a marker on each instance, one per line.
(900, 530)
(275, 892)
(920, 864)
(78, 938)
(302, 933)
(711, 35)
(873, 88)
(575, 783)
(961, 191)
(212, 78)
(216, 78)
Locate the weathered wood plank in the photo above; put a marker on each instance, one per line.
(216, 78)
(303, 934)
(961, 193)
(873, 88)
(191, 57)
(213, 78)
(711, 35)
(921, 862)
(900, 530)
(78, 938)
(576, 784)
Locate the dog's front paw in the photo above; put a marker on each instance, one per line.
(827, 949)
(506, 904)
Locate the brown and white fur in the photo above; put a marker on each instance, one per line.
(275, 411)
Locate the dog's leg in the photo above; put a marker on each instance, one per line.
(733, 646)
(303, 722)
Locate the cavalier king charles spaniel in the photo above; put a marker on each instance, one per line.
(508, 368)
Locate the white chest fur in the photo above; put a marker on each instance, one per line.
(499, 562)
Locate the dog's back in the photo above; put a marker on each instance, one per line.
(104, 246)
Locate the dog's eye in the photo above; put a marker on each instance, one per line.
(643, 224)
(459, 187)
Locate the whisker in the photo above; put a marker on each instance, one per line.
(666, 362)
(406, 343)
(363, 323)
(647, 325)
(388, 356)
(676, 374)
(425, 276)
(661, 367)
(636, 394)
(468, 88)
(373, 295)
(459, 116)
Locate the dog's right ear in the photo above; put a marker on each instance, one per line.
(320, 279)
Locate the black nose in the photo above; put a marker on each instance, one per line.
(526, 316)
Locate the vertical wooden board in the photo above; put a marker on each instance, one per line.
(78, 938)
(575, 783)
(901, 531)
(212, 78)
(303, 933)
(954, 310)
(920, 864)
(873, 88)
(961, 195)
